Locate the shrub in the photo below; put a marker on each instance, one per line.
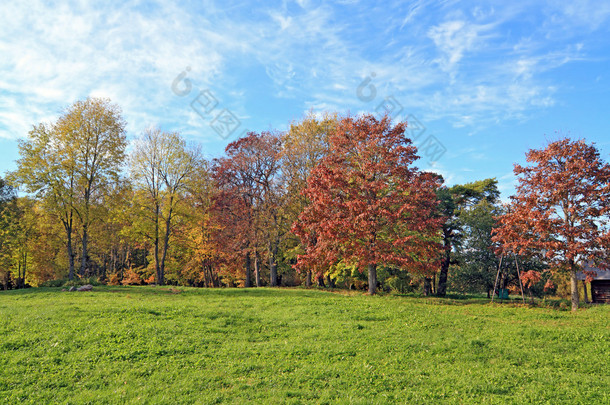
(131, 278)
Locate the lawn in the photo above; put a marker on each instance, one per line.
(163, 345)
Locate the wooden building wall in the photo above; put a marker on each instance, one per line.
(600, 291)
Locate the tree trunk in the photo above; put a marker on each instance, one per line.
(586, 296)
(331, 282)
(441, 290)
(427, 287)
(308, 279)
(19, 274)
(83, 260)
(157, 264)
(25, 266)
(574, 287)
(248, 281)
(273, 265)
(372, 278)
(165, 246)
(70, 255)
(320, 280)
(114, 254)
(257, 269)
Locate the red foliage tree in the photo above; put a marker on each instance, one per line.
(368, 205)
(231, 218)
(561, 209)
(247, 180)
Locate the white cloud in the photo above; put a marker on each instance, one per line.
(455, 38)
(69, 53)
(463, 66)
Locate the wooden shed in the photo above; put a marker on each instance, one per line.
(600, 285)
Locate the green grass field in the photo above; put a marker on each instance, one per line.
(161, 345)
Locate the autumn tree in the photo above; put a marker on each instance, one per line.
(303, 146)
(160, 164)
(92, 134)
(249, 198)
(110, 233)
(369, 205)
(70, 162)
(202, 257)
(8, 219)
(42, 171)
(231, 219)
(23, 232)
(561, 209)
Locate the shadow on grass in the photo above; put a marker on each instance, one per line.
(296, 292)
(151, 290)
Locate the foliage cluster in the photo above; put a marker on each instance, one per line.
(336, 201)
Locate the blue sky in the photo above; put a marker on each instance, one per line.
(480, 82)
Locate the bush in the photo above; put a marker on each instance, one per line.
(54, 283)
(395, 280)
(77, 282)
(114, 279)
(131, 278)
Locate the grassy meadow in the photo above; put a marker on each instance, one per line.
(164, 345)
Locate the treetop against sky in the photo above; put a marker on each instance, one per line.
(479, 84)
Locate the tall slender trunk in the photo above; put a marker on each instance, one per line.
(85, 220)
(320, 280)
(83, 260)
(248, 281)
(257, 268)
(427, 286)
(585, 294)
(18, 286)
(213, 274)
(70, 254)
(273, 264)
(372, 278)
(114, 255)
(441, 290)
(573, 286)
(572, 264)
(168, 229)
(308, 279)
(157, 264)
(165, 244)
(24, 267)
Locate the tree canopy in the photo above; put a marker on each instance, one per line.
(369, 204)
(561, 209)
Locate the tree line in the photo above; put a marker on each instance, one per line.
(335, 200)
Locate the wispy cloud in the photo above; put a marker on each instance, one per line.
(462, 63)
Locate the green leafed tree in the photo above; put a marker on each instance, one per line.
(461, 225)
(475, 261)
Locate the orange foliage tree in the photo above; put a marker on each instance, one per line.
(561, 209)
(368, 205)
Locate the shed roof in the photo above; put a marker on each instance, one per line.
(601, 274)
